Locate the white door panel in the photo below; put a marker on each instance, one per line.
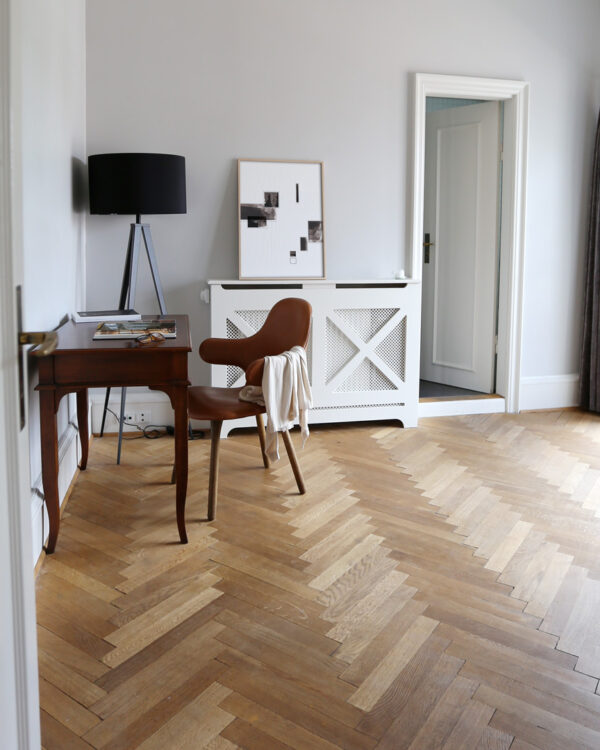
(460, 214)
(19, 692)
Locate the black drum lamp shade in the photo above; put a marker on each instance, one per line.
(137, 184)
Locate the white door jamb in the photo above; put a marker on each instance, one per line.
(515, 94)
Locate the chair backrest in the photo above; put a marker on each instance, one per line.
(287, 325)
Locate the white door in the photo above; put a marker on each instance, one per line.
(19, 704)
(460, 266)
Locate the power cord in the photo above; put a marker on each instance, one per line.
(154, 431)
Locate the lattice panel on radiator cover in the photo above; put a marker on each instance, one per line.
(366, 377)
(255, 319)
(392, 350)
(309, 351)
(339, 348)
(233, 372)
(367, 321)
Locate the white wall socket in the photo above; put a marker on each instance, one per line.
(138, 417)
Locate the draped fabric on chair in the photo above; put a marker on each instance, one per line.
(590, 356)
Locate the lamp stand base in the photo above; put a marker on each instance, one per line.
(137, 232)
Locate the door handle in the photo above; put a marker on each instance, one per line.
(426, 245)
(46, 341)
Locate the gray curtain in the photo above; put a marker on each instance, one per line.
(590, 355)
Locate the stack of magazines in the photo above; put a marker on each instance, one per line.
(133, 329)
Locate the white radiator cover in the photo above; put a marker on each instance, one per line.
(363, 350)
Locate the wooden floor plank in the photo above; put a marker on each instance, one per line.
(446, 713)
(494, 739)
(73, 715)
(251, 738)
(274, 725)
(55, 736)
(543, 718)
(408, 722)
(69, 681)
(333, 719)
(138, 633)
(150, 683)
(375, 685)
(195, 725)
(129, 729)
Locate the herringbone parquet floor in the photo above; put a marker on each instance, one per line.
(435, 588)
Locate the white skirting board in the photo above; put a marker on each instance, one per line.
(549, 392)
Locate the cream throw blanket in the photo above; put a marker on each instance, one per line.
(285, 394)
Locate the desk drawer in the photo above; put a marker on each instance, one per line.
(125, 368)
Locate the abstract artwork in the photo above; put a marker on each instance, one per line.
(280, 220)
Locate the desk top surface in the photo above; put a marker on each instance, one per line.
(78, 337)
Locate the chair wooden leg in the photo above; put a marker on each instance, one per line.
(213, 482)
(294, 462)
(173, 474)
(263, 440)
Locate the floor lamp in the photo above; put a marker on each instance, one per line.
(136, 184)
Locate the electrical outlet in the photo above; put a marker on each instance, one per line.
(144, 417)
(129, 417)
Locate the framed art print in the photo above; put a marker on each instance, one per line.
(281, 219)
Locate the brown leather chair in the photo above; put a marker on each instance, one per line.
(287, 325)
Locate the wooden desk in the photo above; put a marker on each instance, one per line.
(79, 363)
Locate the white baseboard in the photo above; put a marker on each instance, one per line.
(154, 402)
(69, 453)
(459, 407)
(549, 392)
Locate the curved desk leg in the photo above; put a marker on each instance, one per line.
(179, 401)
(82, 423)
(49, 440)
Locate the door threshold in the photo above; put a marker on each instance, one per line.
(428, 399)
(457, 406)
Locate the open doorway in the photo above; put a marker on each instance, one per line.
(461, 247)
(507, 303)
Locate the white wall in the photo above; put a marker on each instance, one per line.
(53, 180)
(331, 80)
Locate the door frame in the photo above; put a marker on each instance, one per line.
(515, 95)
(19, 692)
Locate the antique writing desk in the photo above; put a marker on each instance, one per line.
(79, 363)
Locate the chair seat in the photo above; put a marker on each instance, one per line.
(205, 402)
